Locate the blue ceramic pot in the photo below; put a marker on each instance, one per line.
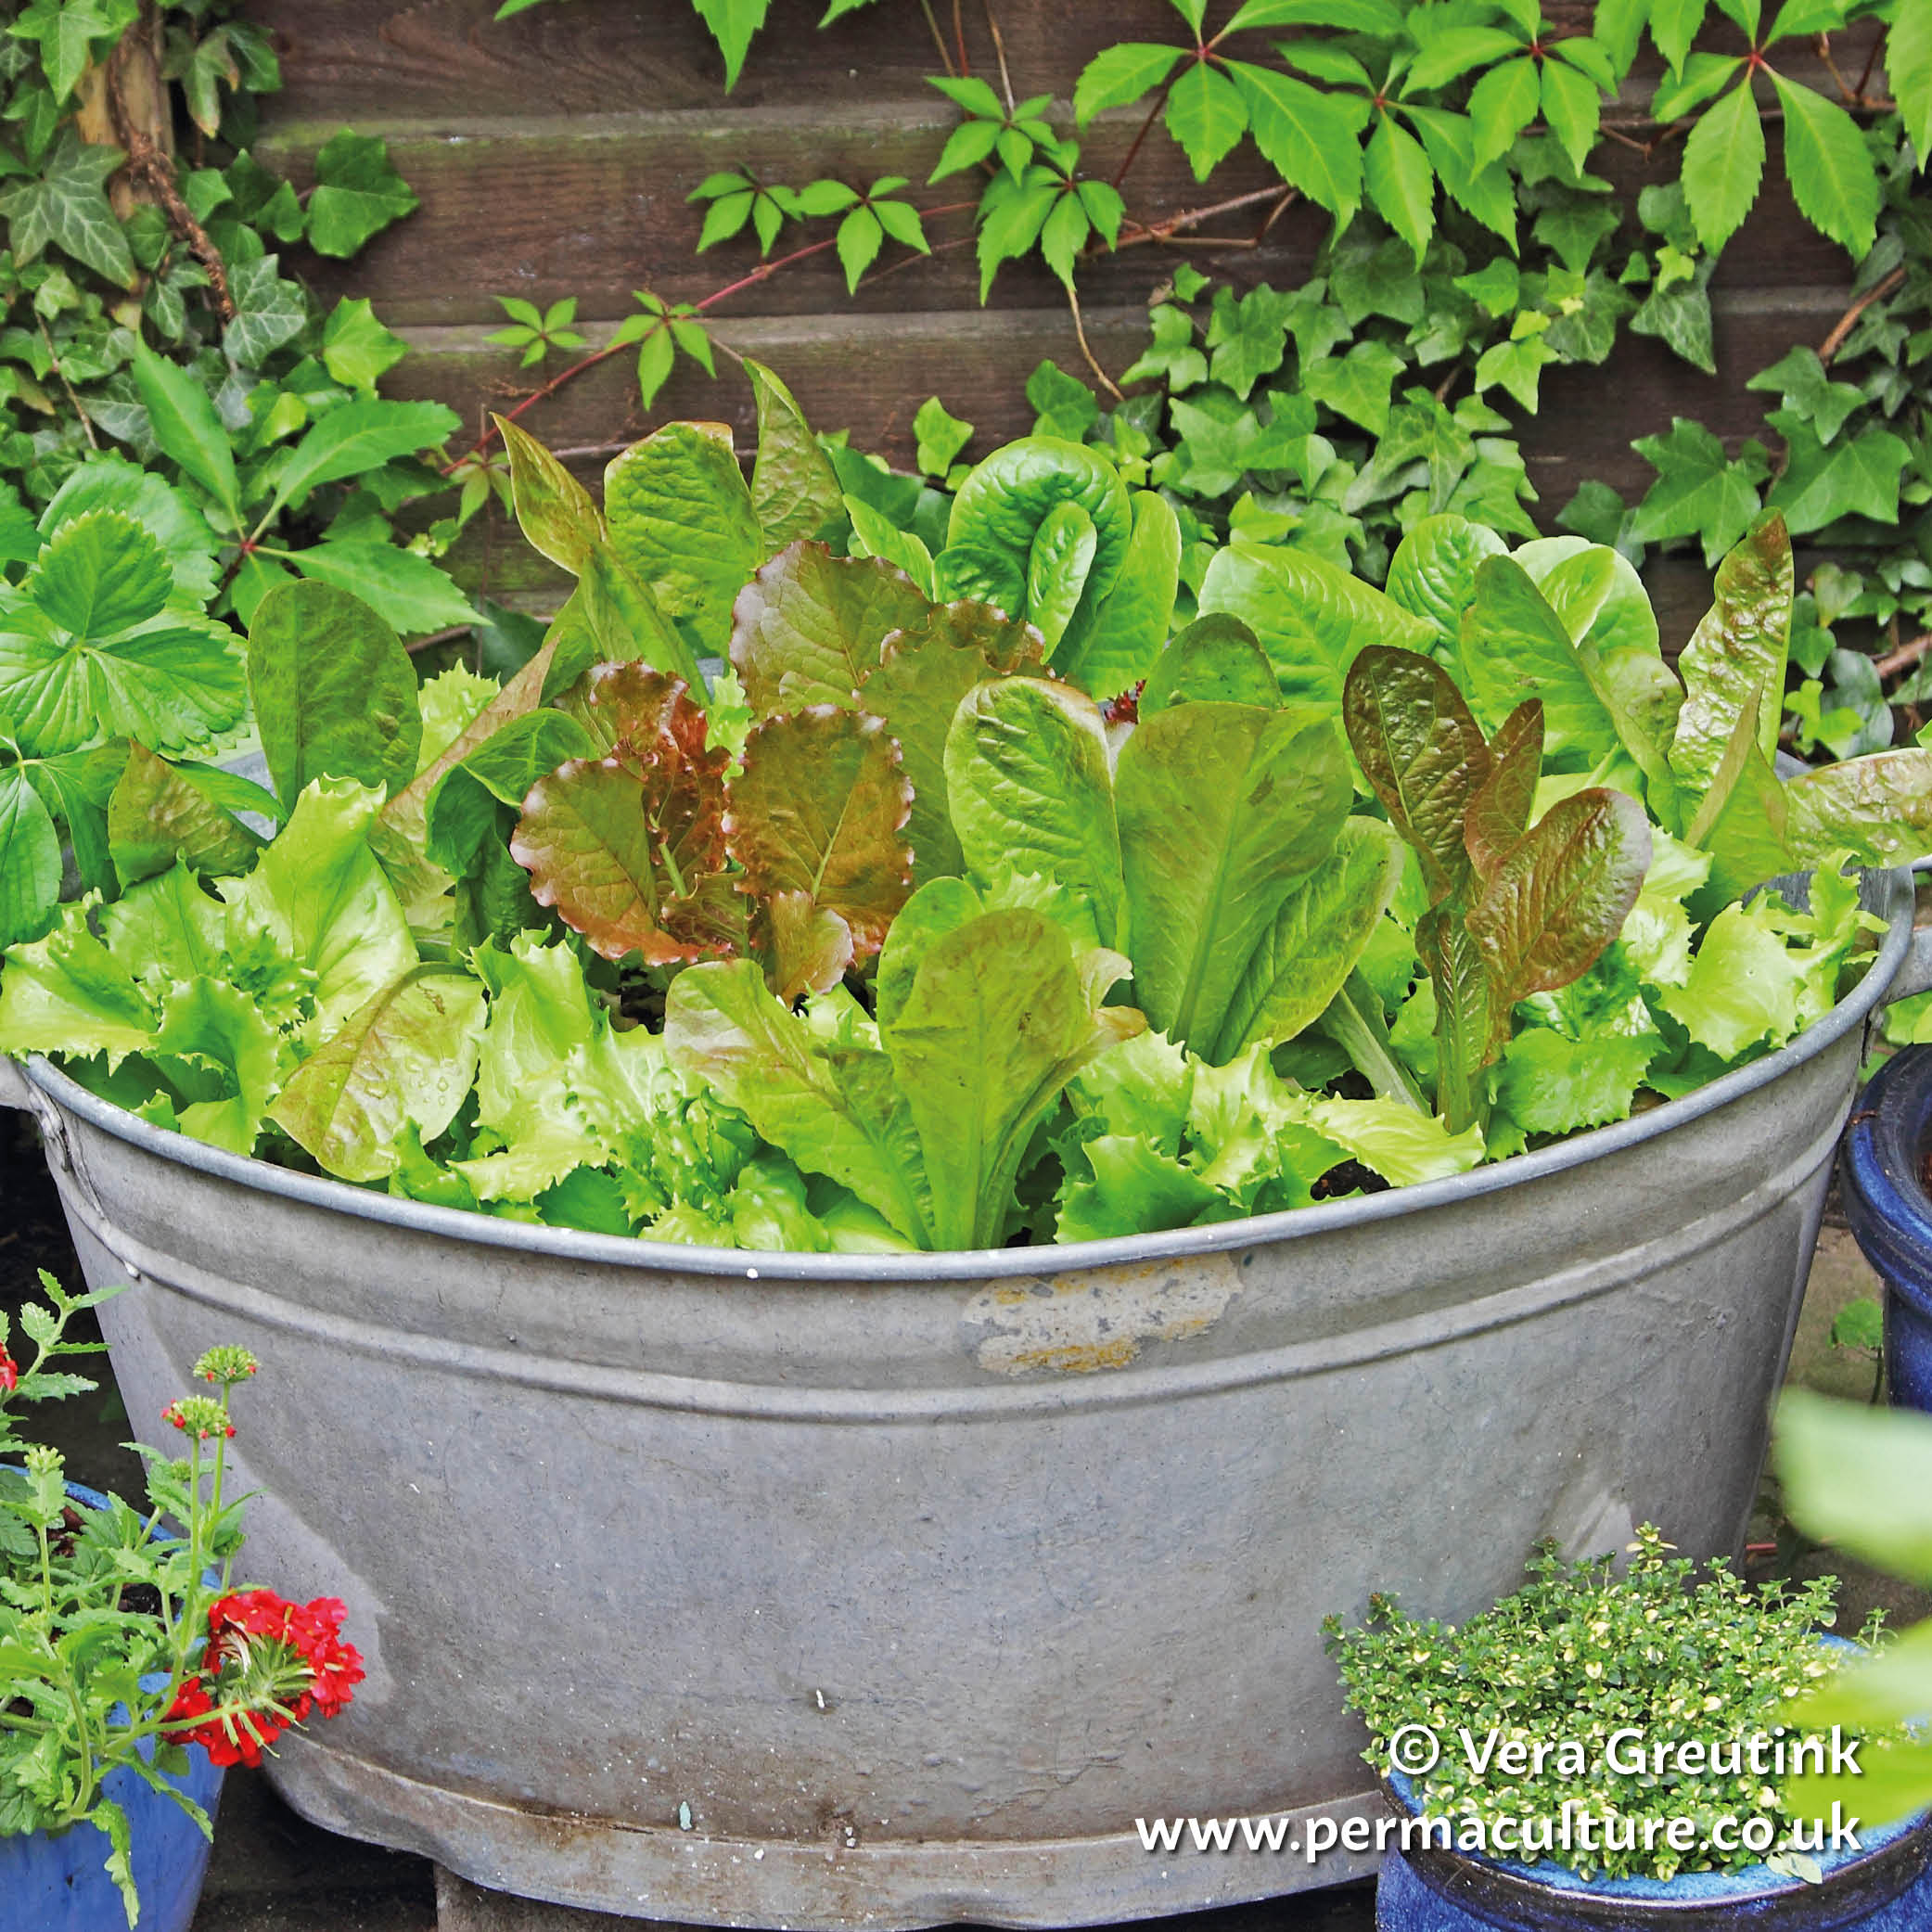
(1891, 1215)
(1884, 1887)
(57, 1882)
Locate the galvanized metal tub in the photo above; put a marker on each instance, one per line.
(832, 1592)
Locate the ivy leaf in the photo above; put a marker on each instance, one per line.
(733, 23)
(65, 203)
(1309, 136)
(1120, 73)
(629, 850)
(1699, 491)
(1248, 335)
(1207, 115)
(269, 312)
(1172, 357)
(1799, 378)
(816, 820)
(1857, 477)
(30, 861)
(939, 438)
(358, 194)
(1356, 385)
(1723, 163)
(66, 31)
(356, 348)
(1680, 317)
(1401, 184)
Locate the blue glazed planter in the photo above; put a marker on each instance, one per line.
(57, 1882)
(1884, 1887)
(1891, 1213)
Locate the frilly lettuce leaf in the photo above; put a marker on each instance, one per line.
(1764, 971)
(1657, 932)
(405, 1058)
(451, 702)
(68, 994)
(1550, 1084)
(318, 897)
(223, 1058)
(1130, 1186)
(540, 1016)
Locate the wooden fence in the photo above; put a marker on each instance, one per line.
(553, 153)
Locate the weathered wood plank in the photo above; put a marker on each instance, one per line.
(596, 207)
(869, 374)
(359, 58)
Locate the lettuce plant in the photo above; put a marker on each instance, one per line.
(819, 884)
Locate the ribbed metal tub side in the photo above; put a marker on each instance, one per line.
(914, 1582)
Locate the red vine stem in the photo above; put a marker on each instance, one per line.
(1848, 320)
(1905, 657)
(762, 273)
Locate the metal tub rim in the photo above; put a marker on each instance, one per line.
(1890, 892)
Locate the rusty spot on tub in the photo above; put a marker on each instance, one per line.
(1083, 1324)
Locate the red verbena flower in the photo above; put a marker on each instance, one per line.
(9, 1373)
(198, 1415)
